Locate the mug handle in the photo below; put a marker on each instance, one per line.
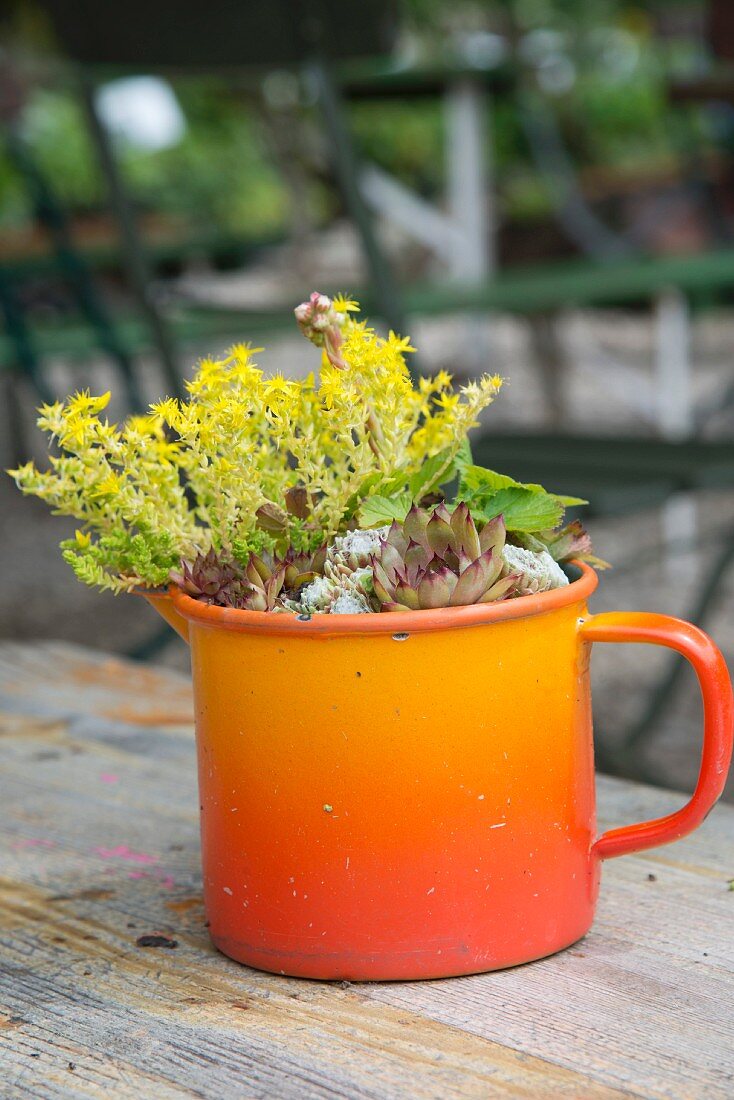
(718, 722)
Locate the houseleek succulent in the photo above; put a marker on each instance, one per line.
(298, 568)
(345, 588)
(439, 559)
(262, 584)
(349, 595)
(213, 580)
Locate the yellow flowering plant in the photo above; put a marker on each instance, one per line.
(251, 464)
(275, 494)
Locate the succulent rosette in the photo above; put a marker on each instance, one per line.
(262, 584)
(213, 580)
(536, 571)
(439, 559)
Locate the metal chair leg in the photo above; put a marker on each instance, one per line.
(51, 215)
(15, 323)
(675, 405)
(344, 160)
(133, 251)
(26, 365)
(550, 362)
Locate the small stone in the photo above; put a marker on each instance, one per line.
(327, 808)
(538, 571)
(358, 544)
(349, 603)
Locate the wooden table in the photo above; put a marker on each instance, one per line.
(100, 847)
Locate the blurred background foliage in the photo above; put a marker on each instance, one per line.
(217, 174)
(603, 65)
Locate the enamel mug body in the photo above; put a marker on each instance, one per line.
(411, 795)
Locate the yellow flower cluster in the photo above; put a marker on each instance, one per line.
(217, 469)
(106, 476)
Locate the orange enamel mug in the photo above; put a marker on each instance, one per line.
(411, 795)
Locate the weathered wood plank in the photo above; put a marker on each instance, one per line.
(277, 1038)
(61, 680)
(99, 844)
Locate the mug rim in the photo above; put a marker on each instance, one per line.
(392, 622)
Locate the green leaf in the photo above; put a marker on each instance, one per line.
(535, 542)
(464, 457)
(370, 482)
(477, 480)
(434, 471)
(394, 485)
(527, 507)
(376, 511)
(523, 509)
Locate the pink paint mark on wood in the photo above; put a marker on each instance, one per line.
(123, 852)
(34, 842)
(108, 777)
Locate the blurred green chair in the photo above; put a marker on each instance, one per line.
(112, 40)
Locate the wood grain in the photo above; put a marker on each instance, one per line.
(99, 845)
